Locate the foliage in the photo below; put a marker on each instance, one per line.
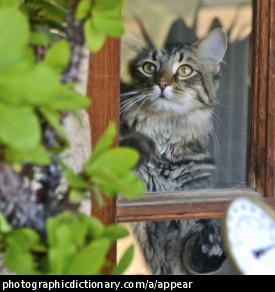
(25, 95)
(33, 99)
(101, 18)
(74, 242)
(107, 169)
(105, 21)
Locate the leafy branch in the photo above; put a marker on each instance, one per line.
(41, 229)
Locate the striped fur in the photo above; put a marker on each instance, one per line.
(167, 117)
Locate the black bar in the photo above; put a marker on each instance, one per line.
(118, 283)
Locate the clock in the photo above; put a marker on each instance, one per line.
(248, 231)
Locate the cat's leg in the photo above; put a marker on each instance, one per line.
(202, 248)
(160, 245)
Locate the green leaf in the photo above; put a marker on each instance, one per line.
(96, 196)
(83, 8)
(19, 68)
(53, 118)
(23, 239)
(37, 155)
(73, 179)
(58, 56)
(129, 186)
(95, 39)
(47, 30)
(79, 231)
(39, 39)
(119, 160)
(69, 99)
(14, 36)
(53, 224)
(108, 189)
(30, 88)
(95, 227)
(104, 142)
(115, 232)
(72, 227)
(63, 234)
(19, 127)
(8, 2)
(136, 185)
(112, 172)
(19, 262)
(52, 11)
(108, 180)
(125, 261)
(109, 26)
(60, 258)
(39, 248)
(4, 225)
(75, 196)
(91, 259)
(107, 8)
(63, 3)
(63, 250)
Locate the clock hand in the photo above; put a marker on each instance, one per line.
(263, 250)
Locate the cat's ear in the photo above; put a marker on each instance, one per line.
(213, 46)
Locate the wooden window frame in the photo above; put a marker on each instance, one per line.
(103, 88)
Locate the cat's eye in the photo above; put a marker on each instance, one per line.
(184, 71)
(149, 68)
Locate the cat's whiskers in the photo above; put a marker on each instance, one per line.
(132, 101)
(128, 102)
(142, 103)
(129, 93)
(219, 122)
(211, 129)
(208, 125)
(223, 105)
(125, 108)
(216, 142)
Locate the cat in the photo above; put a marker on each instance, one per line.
(166, 114)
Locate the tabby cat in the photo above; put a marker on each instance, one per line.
(166, 114)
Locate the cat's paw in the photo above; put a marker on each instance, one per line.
(210, 241)
(208, 254)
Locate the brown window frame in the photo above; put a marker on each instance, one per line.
(103, 88)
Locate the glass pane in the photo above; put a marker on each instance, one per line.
(170, 105)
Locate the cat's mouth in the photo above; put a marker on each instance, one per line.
(162, 94)
(164, 97)
(161, 101)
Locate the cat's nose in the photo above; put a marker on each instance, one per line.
(163, 84)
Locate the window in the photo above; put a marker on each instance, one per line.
(104, 89)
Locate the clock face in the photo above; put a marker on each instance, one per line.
(249, 236)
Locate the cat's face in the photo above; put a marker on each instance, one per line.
(170, 79)
(179, 78)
